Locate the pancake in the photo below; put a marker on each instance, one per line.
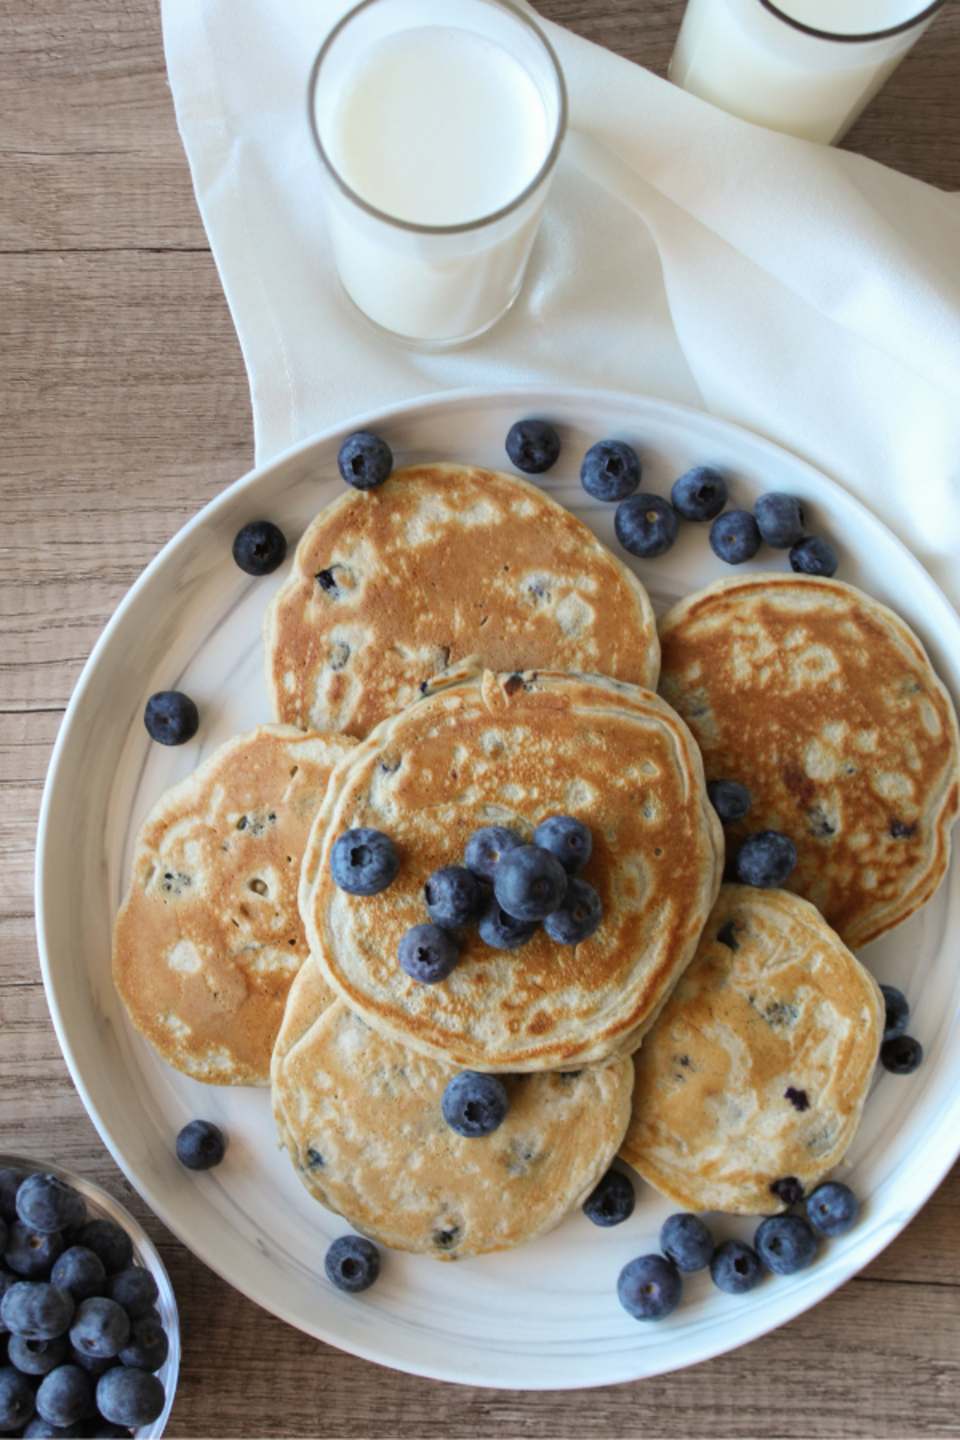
(209, 937)
(391, 586)
(512, 750)
(360, 1117)
(824, 704)
(758, 1066)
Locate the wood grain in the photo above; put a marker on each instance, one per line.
(125, 408)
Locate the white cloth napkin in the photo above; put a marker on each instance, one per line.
(806, 293)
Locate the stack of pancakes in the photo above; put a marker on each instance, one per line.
(243, 963)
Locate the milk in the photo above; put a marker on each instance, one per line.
(437, 138)
(753, 63)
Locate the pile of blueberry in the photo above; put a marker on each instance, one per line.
(78, 1320)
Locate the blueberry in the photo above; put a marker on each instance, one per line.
(37, 1310)
(47, 1204)
(39, 1429)
(611, 470)
(16, 1398)
(7, 1278)
(833, 1208)
(612, 1201)
(813, 556)
(64, 1395)
(10, 1181)
(101, 1327)
(779, 519)
(109, 1241)
(529, 883)
(200, 1146)
(735, 537)
(686, 1241)
(352, 1263)
(567, 839)
(38, 1357)
(365, 460)
(130, 1397)
(533, 446)
(29, 1253)
(766, 859)
(171, 717)
(700, 494)
(897, 1012)
(260, 547)
(503, 931)
(578, 917)
(135, 1289)
(730, 799)
(80, 1271)
(100, 1429)
(788, 1189)
(649, 1288)
(486, 848)
(473, 1104)
(735, 1268)
(148, 1346)
(428, 954)
(785, 1244)
(902, 1055)
(95, 1365)
(364, 861)
(453, 897)
(646, 525)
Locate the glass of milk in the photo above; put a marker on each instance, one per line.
(806, 67)
(439, 124)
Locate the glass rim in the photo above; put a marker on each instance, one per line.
(926, 14)
(464, 227)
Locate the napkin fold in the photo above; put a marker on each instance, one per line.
(804, 292)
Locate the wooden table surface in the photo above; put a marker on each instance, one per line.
(125, 408)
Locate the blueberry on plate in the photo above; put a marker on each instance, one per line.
(101, 1327)
(533, 446)
(529, 883)
(64, 1395)
(730, 799)
(788, 1189)
(200, 1146)
(453, 897)
(735, 537)
(735, 1268)
(902, 1055)
(833, 1208)
(503, 931)
(700, 494)
(364, 861)
(779, 519)
(612, 1201)
(428, 954)
(130, 1397)
(568, 839)
(686, 1241)
(578, 917)
(646, 525)
(785, 1243)
(352, 1263)
(473, 1104)
(80, 1271)
(48, 1204)
(16, 1399)
(109, 1241)
(897, 1012)
(487, 847)
(365, 461)
(36, 1310)
(260, 547)
(649, 1288)
(813, 556)
(611, 470)
(171, 717)
(766, 859)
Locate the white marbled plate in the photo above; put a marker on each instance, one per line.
(545, 1316)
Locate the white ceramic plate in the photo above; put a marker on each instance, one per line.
(545, 1316)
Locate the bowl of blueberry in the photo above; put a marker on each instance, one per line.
(88, 1322)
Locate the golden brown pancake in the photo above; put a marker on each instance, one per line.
(825, 705)
(392, 586)
(209, 937)
(758, 1066)
(513, 750)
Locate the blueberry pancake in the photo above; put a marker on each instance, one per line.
(391, 586)
(209, 937)
(513, 750)
(825, 706)
(750, 1085)
(360, 1116)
